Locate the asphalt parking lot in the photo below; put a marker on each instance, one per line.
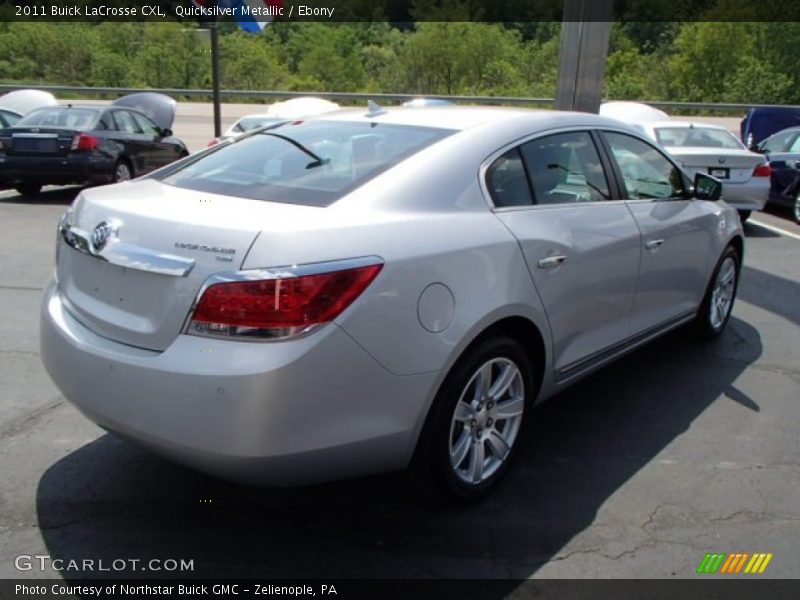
(674, 451)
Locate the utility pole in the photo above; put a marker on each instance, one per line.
(585, 33)
(214, 32)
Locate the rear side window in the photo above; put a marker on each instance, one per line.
(60, 118)
(565, 168)
(313, 163)
(646, 172)
(507, 182)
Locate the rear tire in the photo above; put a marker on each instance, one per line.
(796, 208)
(122, 171)
(715, 311)
(28, 190)
(472, 431)
(744, 215)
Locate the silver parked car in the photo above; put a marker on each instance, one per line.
(369, 291)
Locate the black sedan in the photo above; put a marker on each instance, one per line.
(70, 144)
(783, 152)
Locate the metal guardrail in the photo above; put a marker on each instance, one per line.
(511, 100)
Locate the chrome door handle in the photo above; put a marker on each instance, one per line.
(654, 244)
(552, 261)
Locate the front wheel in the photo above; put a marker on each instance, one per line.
(796, 208)
(744, 215)
(472, 431)
(715, 311)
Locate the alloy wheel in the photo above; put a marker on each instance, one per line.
(486, 420)
(122, 173)
(722, 296)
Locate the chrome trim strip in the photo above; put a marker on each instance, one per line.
(126, 255)
(603, 356)
(286, 272)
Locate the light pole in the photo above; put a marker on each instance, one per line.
(585, 33)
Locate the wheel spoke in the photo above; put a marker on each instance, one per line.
(498, 445)
(510, 408)
(476, 461)
(459, 452)
(501, 385)
(464, 412)
(482, 382)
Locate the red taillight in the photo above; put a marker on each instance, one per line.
(762, 171)
(282, 307)
(212, 142)
(84, 141)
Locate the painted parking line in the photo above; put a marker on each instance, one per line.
(773, 229)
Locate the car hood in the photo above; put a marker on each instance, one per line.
(24, 101)
(160, 108)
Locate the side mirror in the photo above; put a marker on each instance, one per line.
(707, 187)
(166, 133)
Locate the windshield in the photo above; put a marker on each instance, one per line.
(60, 117)
(697, 137)
(251, 123)
(313, 163)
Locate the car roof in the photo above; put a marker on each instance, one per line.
(461, 118)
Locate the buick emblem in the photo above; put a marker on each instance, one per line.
(721, 160)
(101, 234)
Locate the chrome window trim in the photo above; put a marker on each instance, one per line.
(487, 162)
(284, 272)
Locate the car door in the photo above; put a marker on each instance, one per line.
(677, 232)
(164, 150)
(581, 245)
(136, 143)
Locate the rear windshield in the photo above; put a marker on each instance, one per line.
(250, 123)
(59, 117)
(697, 137)
(313, 163)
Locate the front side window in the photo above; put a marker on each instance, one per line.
(146, 125)
(313, 163)
(125, 122)
(565, 168)
(646, 172)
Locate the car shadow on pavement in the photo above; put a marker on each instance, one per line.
(47, 197)
(773, 293)
(109, 500)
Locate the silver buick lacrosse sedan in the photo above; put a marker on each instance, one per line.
(374, 290)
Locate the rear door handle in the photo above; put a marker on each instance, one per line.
(551, 261)
(654, 244)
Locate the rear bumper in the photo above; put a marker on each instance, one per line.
(313, 409)
(76, 168)
(749, 195)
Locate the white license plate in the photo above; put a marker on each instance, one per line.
(718, 173)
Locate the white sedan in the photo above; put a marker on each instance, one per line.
(276, 113)
(703, 148)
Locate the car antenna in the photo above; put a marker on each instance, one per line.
(375, 109)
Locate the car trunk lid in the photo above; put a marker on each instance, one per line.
(37, 141)
(165, 243)
(729, 165)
